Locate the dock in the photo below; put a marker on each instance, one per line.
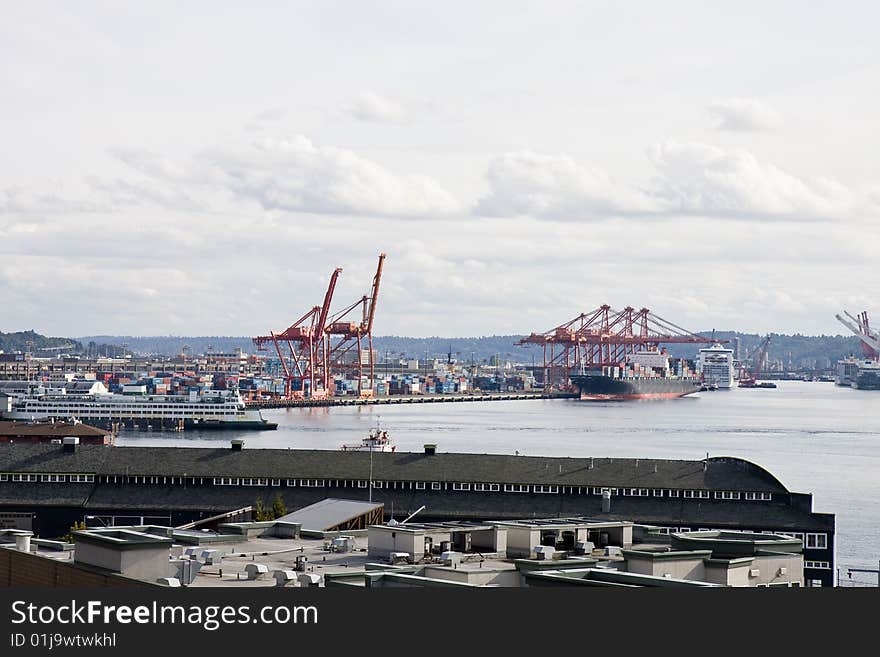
(408, 399)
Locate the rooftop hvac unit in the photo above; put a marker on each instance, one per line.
(544, 552)
(209, 556)
(450, 558)
(256, 570)
(342, 544)
(783, 570)
(754, 572)
(309, 579)
(285, 578)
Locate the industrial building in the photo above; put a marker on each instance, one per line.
(46, 488)
(285, 554)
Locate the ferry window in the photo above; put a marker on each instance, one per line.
(435, 485)
(657, 492)
(703, 494)
(643, 492)
(459, 486)
(689, 493)
(817, 541)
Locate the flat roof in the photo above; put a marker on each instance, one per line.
(49, 429)
(328, 513)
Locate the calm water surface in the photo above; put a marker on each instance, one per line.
(815, 437)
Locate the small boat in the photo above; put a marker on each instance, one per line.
(376, 441)
(708, 387)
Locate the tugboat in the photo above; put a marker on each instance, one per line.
(376, 441)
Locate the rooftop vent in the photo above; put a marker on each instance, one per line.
(430, 450)
(237, 444)
(70, 443)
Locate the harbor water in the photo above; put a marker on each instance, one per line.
(815, 437)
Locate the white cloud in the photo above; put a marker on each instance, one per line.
(21, 200)
(743, 114)
(699, 178)
(290, 174)
(690, 179)
(371, 106)
(555, 187)
(295, 175)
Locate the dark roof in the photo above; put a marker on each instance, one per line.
(50, 429)
(724, 473)
(441, 505)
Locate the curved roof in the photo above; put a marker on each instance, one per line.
(719, 473)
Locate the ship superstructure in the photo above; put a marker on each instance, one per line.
(715, 365)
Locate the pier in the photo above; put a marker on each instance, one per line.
(408, 399)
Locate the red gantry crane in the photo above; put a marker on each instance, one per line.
(305, 368)
(345, 335)
(758, 356)
(604, 337)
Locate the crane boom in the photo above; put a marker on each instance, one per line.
(374, 295)
(328, 297)
(864, 335)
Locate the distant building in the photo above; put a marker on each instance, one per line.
(53, 432)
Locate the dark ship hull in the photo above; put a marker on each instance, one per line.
(598, 387)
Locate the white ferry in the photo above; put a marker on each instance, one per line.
(716, 365)
(212, 409)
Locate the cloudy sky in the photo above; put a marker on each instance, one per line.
(201, 168)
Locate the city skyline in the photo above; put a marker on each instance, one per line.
(203, 169)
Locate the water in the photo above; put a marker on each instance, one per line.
(815, 437)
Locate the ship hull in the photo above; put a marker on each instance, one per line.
(867, 380)
(606, 388)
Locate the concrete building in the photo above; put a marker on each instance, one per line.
(281, 554)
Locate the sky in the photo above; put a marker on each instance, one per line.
(201, 168)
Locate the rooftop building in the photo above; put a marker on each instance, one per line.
(279, 555)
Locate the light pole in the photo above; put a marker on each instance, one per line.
(371, 472)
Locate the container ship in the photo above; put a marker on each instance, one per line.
(93, 404)
(645, 375)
